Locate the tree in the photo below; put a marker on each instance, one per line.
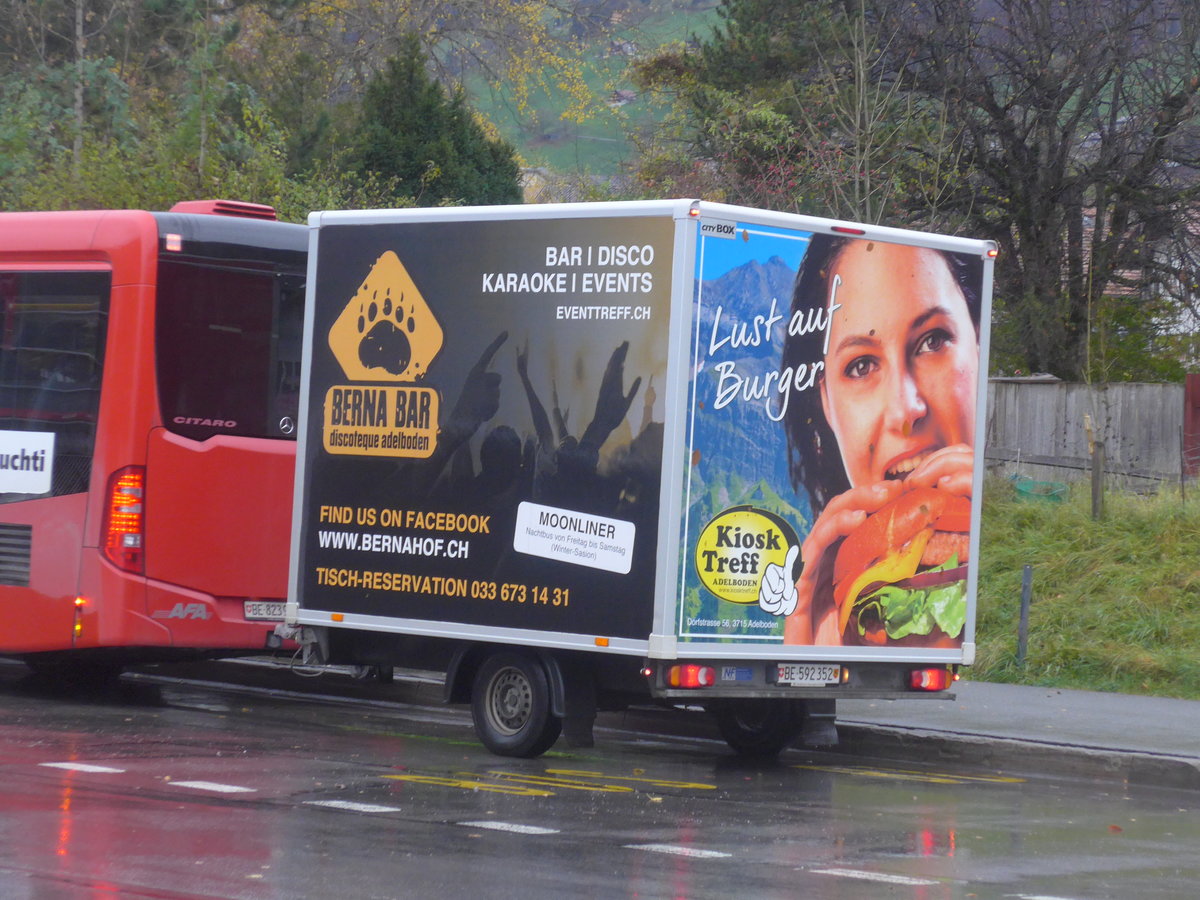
(513, 48)
(411, 130)
(1080, 152)
(792, 104)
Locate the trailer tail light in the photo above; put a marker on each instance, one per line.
(125, 519)
(930, 679)
(691, 676)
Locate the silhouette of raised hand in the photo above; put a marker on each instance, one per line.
(480, 396)
(612, 404)
(541, 422)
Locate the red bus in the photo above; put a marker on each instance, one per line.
(149, 378)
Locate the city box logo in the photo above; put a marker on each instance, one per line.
(387, 336)
(735, 548)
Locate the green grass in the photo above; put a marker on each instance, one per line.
(1116, 602)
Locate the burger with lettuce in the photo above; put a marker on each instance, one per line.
(900, 578)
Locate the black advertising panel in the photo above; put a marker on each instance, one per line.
(484, 437)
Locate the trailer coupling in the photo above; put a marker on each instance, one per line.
(314, 642)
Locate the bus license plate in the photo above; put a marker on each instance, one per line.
(262, 609)
(807, 673)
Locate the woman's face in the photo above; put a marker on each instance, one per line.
(900, 372)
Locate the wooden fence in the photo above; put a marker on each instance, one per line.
(1047, 430)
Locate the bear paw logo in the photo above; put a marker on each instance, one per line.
(384, 342)
(386, 332)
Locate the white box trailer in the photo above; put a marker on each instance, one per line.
(578, 456)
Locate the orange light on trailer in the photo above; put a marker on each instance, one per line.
(694, 210)
(993, 252)
(930, 679)
(601, 642)
(336, 617)
(125, 519)
(691, 676)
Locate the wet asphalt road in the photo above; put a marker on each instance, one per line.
(172, 789)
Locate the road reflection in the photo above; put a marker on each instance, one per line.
(187, 791)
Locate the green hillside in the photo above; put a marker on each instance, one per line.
(601, 144)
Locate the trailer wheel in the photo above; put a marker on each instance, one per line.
(510, 706)
(757, 728)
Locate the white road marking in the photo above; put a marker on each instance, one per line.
(876, 876)
(82, 767)
(510, 826)
(675, 850)
(213, 786)
(352, 806)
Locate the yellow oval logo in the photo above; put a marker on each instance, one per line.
(735, 548)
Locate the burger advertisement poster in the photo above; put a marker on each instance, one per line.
(831, 430)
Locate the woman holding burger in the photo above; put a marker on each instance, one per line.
(893, 411)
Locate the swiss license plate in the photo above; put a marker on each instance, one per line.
(264, 609)
(808, 673)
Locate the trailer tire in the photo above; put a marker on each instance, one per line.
(510, 706)
(757, 728)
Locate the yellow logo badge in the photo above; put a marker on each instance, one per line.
(386, 332)
(734, 549)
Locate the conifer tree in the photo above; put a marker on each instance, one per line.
(412, 130)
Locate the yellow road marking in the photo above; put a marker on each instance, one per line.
(657, 782)
(913, 775)
(473, 785)
(521, 784)
(563, 783)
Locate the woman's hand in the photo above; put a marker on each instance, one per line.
(949, 469)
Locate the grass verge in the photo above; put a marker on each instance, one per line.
(1116, 602)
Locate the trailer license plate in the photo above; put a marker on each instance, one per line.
(263, 609)
(797, 673)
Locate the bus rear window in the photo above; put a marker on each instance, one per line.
(228, 349)
(52, 328)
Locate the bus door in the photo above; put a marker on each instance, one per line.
(53, 323)
(220, 471)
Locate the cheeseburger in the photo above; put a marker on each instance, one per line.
(901, 575)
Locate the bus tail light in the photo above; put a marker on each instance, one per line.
(691, 676)
(936, 679)
(125, 519)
